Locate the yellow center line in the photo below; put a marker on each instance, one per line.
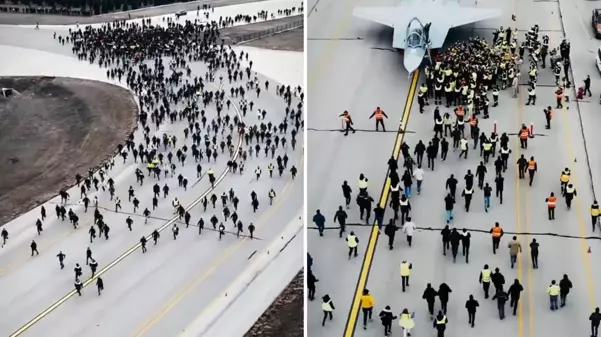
(222, 258)
(373, 238)
(574, 178)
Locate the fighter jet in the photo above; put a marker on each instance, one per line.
(417, 38)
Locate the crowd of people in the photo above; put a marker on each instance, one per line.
(207, 109)
(468, 78)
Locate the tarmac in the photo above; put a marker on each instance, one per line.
(173, 284)
(348, 71)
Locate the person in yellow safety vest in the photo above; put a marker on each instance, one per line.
(423, 89)
(570, 194)
(211, 175)
(524, 133)
(406, 322)
(175, 204)
(367, 306)
(551, 203)
(348, 121)
(484, 279)
(328, 307)
(353, 241)
(270, 168)
(553, 291)
(405, 273)
(362, 184)
(440, 323)
(379, 116)
(564, 179)
(271, 196)
(594, 214)
(532, 168)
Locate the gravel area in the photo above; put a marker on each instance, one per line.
(52, 129)
(285, 316)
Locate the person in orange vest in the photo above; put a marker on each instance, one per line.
(474, 130)
(379, 116)
(524, 133)
(559, 98)
(551, 202)
(497, 233)
(548, 116)
(532, 168)
(348, 121)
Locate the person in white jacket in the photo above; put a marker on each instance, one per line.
(419, 177)
(409, 229)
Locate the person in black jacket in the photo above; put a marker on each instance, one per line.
(443, 294)
(465, 244)
(471, 305)
(595, 319)
(501, 298)
(514, 295)
(564, 288)
(430, 297)
(455, 239)
(311, 280)
(387, 317)
(445, 234)
(390, 231)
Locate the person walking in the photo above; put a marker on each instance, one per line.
(367, 306)
(387, 317)
(471, 305)
(328, 307)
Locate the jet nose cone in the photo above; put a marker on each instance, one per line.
(413, 58)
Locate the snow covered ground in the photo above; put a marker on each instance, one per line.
(272, 6)
(208, 267)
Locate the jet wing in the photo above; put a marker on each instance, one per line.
(443, 17)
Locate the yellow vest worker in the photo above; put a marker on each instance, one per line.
(484, 279)
(327, 306)
(406, 321)
(405, 273)
(352, 242)
(594, 214)
(553, 291)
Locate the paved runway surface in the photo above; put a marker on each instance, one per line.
(161, 292)
(346, 73)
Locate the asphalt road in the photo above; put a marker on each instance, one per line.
(348, 74)
(156, 294)
(32, 19)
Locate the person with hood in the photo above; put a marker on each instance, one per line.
(387, 317)
(471, 305)
(367, 306)
(440, 323)
(498, 280)
(407, 183)
(595, 319)
(320, 221)
(430, 297)
(390, 231)
(328, 307)
(564, 289)
(406, 322)
(514, 295)
(443, 295)
(501, 297)
(311, 280)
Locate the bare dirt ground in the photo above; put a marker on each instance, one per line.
(291, 40)
(285, 316)
(55, 128)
